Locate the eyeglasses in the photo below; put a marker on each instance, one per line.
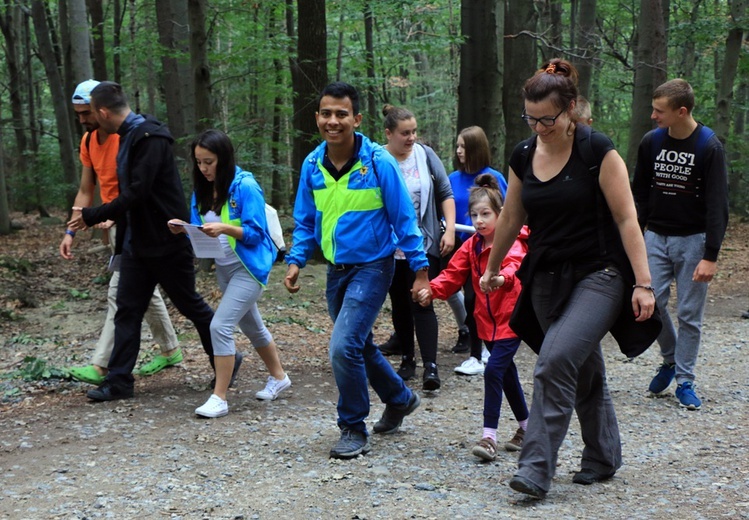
(546, 121)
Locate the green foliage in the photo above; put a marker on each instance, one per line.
(18, 265)
(34, 369)
(79, 295)
(416, 62)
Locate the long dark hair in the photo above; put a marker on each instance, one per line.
(219, 143)
(477, 153)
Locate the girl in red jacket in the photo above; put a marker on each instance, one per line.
(492, 312)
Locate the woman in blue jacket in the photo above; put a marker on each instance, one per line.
(228, 203)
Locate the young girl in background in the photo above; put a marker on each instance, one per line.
(229, 204)
(472, 158)
(492, 311)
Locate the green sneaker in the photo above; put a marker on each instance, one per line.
(87, 374)
(159, 363)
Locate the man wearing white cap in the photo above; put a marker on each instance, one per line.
(98, 154)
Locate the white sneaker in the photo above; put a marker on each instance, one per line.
(470, 367)
(213, 407)
(484, 354)
(273, 388)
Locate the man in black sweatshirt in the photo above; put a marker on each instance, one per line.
(681, 191)
(150, 194)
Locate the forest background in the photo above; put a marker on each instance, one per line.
(254, 69)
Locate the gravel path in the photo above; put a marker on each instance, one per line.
(149, 457)
(62, 457)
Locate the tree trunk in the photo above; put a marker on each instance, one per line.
(30, 98)
(97, 34)
(118, 16)
(371, 120)
(80, 49)
(9, 25)
(67, 70)
(520, 63)
(732, 53)
(59, 100)
(4, 208)
(199, 62)
(178, 85)
(735, 157)
(480, 84)
(310, 78)
(650, 72)
(551, 24)
(586, 39)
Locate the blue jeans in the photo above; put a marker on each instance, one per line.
(355, 296)
(676, 258)
(570, 375)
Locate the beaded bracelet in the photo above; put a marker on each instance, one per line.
(648, 287)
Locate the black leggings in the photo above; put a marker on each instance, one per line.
(409, 316)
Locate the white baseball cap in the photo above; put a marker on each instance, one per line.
(82, 94)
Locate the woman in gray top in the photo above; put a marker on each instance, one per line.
(429, 187)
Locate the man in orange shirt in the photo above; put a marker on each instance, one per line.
(98, 154)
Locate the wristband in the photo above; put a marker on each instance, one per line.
(71, 233)
(648, 287)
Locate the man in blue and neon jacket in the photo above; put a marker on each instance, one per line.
(352, 203)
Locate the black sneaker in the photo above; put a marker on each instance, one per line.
(407, 369)
(524, 485)
(392, 346)
(107, 392)
(431, 379)
(351, 444)
(393, 415)
(464, 342)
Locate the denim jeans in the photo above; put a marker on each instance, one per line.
(570, 375)
(675, 258)
(355, 296)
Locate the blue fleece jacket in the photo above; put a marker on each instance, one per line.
(246, 208)
(356, 235)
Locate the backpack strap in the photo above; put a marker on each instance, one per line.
(585, 149)
(88, 151)
(659, 135)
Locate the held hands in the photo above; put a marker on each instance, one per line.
(424, 297)
(292, 274)
(490, 282)
(643, 303)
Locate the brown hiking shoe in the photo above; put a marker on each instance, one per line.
(516, 443)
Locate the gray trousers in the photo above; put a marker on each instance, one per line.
(570, 374)
(675, 259)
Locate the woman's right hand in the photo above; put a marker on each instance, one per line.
(176, 226)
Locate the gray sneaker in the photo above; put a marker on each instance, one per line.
(393, 416)
(351, 444)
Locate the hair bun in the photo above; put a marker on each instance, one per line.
(487, 180)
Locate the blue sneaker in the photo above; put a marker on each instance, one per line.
(663, 378)
(351, 444)
(686, 396)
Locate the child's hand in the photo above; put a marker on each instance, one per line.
(424, 297)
